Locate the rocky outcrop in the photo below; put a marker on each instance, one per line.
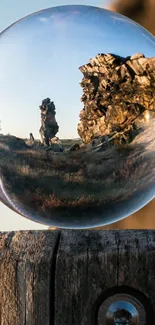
(49, 126)
(117, 93)
(32, 138)
(55, 145)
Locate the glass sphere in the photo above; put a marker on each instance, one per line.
(77, 111)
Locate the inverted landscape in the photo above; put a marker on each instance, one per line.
(106, 172)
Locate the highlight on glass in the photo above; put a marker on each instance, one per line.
(77, 112)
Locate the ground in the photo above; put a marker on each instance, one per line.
(80, 187)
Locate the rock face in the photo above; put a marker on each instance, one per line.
(49, 126)
(117, 93)
(55, 145)
(32, 140)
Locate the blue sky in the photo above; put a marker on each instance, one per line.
(11, 11)
(40, 57)
(25, 74)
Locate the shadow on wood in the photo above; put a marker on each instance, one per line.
(62, 277)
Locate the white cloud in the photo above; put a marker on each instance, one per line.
(43, 19)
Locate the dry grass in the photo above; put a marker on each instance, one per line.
(45, 184)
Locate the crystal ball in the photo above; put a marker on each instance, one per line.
(77, 89)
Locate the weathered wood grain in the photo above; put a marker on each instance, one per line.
(61, 277)
(93, 262)
(26, 260)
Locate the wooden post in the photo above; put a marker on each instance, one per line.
(72, 277)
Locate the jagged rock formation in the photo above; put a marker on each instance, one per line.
(31, 137)
(55, 140)
(32, 140)
(55, 145)
(143, 12)
(49, 126)
(117, 92)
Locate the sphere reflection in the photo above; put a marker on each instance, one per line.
(77, 112)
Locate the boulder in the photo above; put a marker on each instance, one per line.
(116, 97)
(55, 147)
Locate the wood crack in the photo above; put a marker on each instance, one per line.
(53, 266)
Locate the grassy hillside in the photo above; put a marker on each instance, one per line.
(88, 185)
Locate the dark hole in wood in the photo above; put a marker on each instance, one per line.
(125, 290)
